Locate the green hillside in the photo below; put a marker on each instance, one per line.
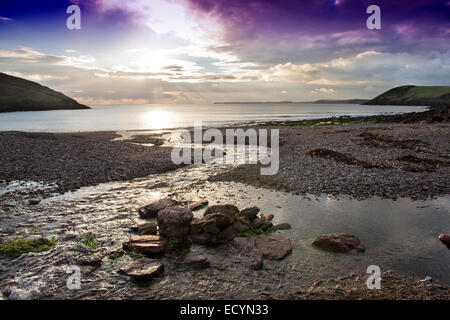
(17, 94)
(433, 96)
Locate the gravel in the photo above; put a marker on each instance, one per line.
(377, 166)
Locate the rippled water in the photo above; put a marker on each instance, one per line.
(399, 235)
(154, 116)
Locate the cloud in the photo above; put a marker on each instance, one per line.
(5, 19)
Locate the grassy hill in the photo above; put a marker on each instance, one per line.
(437, 96)
(17, 94)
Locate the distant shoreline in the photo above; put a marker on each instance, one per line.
(322, 101)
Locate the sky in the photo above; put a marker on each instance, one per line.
(203, 51)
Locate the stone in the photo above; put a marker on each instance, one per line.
(266, 225)
(226, 235)
(195, 260)
(445, 239)
(174, 222)
(240, 227)
(143, 269)
(249, 213)
(339, 242)
(148, 245)
(258, 223)
(148, 228)
(273, 247)
(197, 205)
(221, 220)
(282, 226)
(33, 201)
(267, 216)
(200, 238)
(197, 226)
(246, 247)
(227, 209)
(151, 210)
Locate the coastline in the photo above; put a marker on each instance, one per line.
(120, 175)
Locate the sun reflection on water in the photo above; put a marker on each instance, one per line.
(158, 119)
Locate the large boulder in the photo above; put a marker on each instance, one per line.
(273, 247)
(197, 205)
(174, 222)
(195, 260)
(151, 210)
(247, 250)
(148, 245)
(339, 242)
(445, 239)
(143, 269)
(227, 209)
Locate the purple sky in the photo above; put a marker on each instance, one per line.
(196, 51)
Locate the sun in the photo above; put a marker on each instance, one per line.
(158, 119)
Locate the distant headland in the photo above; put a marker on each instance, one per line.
(17, 94)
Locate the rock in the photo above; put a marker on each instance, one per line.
(282, 226)
(266, 225)
(226, 235)
(174, 222)
(200, 238)
(33, 201)
(151, 210)
(445, 239)
(267, 216)
(148, 228)
(197, 205)
(143, 269)
(195, 260)
(197, 226)
(8, 203)
(258, 223)
(339, 242)
(221, 220)
(249, 213)
(427, 279)
(246, 247)
(273, 247)
(227, 209)
(149, 245)
(240, 227)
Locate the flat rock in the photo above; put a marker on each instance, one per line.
(282, 226)
(148, 244)
(339, 242)
(249, 213)
(273, 247)
(246, 247)
(445, 239)
(227, 209)
(151, 210)
(143, 269)
(197, 205)
(196, 226)
(195, 260)
(174, 222)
